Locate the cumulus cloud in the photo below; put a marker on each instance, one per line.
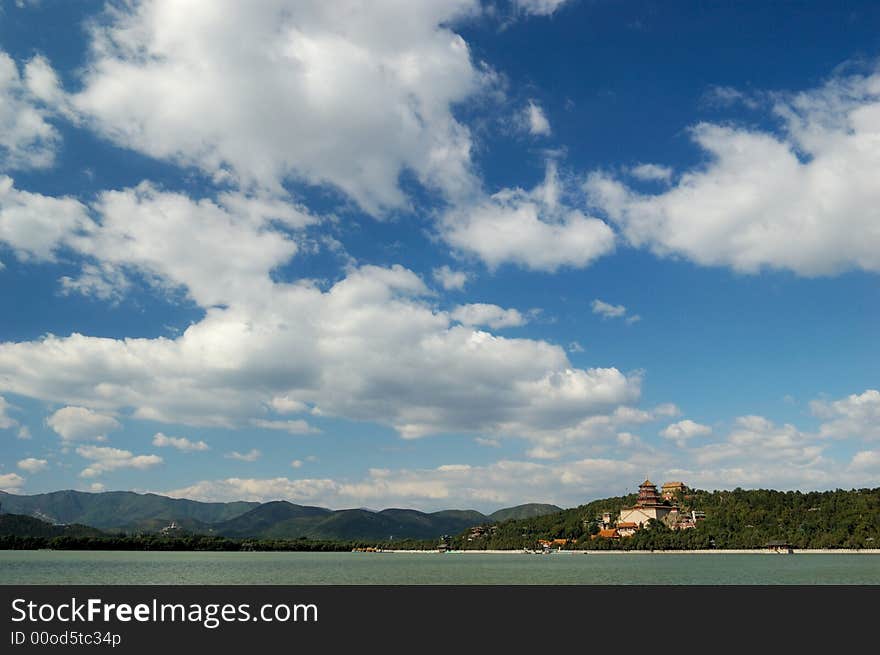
(6, 421)
(251, 456)
(279, 105)
(180, 443)
(218, 251)
(450, 279)
(368, 348)
(651, 173)
(81, 424)
(33, 465)
(297, 426)
(484, 314)
(594, 431)
(453, 485)
(104, 459)
(755, 452)
(856, 416)
(759, 452)
(756, 438)
(682, 431)
(535, 120)
(35, 226)
(287, 405)
(805, 199)
(27, 139)
(866, 460)
(533, 229)
(11, 482)
(540, 452)
(607, 310)
(539, 7)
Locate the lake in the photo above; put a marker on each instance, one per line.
(94, 567)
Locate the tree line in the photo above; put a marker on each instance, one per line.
(736, 519)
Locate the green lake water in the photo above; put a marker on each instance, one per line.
(75, 567)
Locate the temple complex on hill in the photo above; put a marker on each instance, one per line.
(650, 505)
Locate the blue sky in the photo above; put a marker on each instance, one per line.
(452, 254)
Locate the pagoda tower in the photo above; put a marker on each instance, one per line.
(648, 495)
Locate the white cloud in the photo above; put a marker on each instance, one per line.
(489, 443)
(726, 96)
(536, 120)
(368, 348)
(81, 424)
(180, 443)
(96, 487)
(27, 139)
(6, 421)
(483, 314)
(575, 347)
(24, 433)
(34, 225)
(297, 463)
(489, 487)
(571, 437)
(805, 199)
(293, 427)
(33, 465)
(287, 405)
(219, 251)
(755, 439)
(104, 459)
(755, 453)
(11, 482)
(682, 431)
(101, 281)
(539, 7)
(540, 452)
(866, 460)
(279, 105)
(607, 310)
(856, 416)
(533, 229)
(449, 279)
(651, 173)
(251, 456)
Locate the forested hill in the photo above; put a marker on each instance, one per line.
(134, 513)
(19, 525)
(120, 510)
(734, 519)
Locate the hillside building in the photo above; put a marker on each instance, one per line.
(672, 490)
(649, 505)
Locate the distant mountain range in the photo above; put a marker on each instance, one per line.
(126, 511)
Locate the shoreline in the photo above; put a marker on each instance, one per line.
(744, 551)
